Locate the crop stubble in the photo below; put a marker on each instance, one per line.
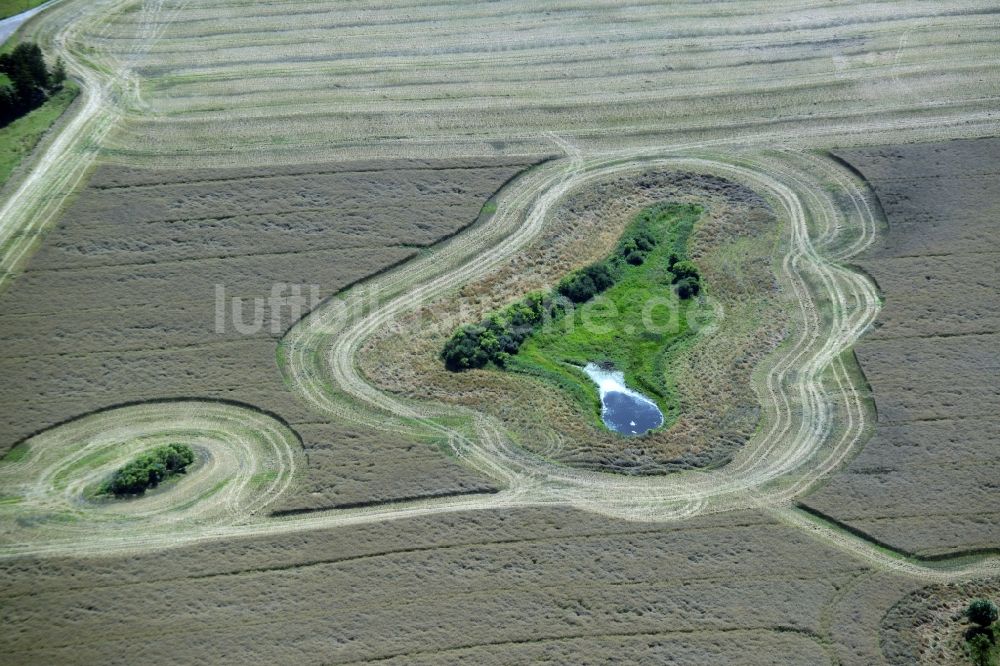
(610, 77)
(870, 73)
(926, 482)
(119, 305)
(491, 587)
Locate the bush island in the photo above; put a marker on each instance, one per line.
(148, 470)
(982, 612)
(980, 640)
(499, 335)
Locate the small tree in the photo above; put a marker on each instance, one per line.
(683, 270)
(687, 288)
(979, 649)
(632, 253)
(58, 75)
(982, 612)
(584, 284)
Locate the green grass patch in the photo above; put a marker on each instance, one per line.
(93, 459)
(11, 7)
(20, 137)
(31, 521)
(201, 498)
(263, 478)
(634, 325)
(16, 454)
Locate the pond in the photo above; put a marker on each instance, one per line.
(623, 410)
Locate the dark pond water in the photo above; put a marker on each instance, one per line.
(630, 415)
(623, 410)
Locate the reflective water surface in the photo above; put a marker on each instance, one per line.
(623, 410)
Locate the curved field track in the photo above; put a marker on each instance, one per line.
(814, 414)
(246, 459)
(165, 85)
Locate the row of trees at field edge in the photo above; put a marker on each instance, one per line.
(148, 470)
(26, 81)
(496, 338)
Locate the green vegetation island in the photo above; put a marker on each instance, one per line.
(981, 638)
(148, 470)
(646, 287)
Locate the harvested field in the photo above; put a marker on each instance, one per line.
(229, 83)
(927, 481)
(927, 626)
(491, 587)
(456, 535)
(119, 305)
(351, 467)
(800, 584)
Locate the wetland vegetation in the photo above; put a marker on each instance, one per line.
(625, 312)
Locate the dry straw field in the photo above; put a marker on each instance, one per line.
(926, 482)
(423, 163)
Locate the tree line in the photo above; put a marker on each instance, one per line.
(26, 81)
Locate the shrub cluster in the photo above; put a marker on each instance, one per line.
(498, 336)
(582, 285)
(686, 277)
(981, 639)
(148, 469)
(982, 612)
(26, 82)
(634, 246)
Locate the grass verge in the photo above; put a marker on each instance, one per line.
(9, 8)
(20, 137)
(16, 454)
